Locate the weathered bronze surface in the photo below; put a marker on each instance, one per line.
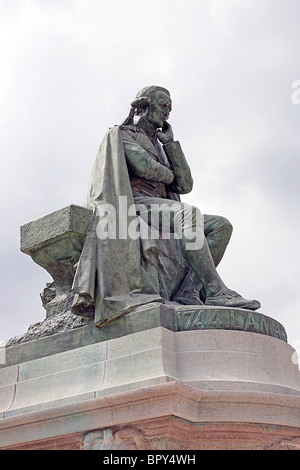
(55, 242)
(223, 318)
(140, 162)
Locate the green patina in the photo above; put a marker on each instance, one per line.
(229, 319)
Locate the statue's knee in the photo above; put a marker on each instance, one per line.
(220, 225)
(227, 228)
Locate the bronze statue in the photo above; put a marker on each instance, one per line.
(130, 257)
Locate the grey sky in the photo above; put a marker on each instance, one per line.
(69, 70)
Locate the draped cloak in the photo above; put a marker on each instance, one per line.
(110, 273)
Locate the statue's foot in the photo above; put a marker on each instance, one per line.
(230, 298)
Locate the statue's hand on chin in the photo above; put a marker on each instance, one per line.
(166, 135)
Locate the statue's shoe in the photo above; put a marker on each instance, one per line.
(229, 298)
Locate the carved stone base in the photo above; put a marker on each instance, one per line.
(172, 433)
(161, 418)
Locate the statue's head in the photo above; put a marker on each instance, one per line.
(150, 92)
(154, 103)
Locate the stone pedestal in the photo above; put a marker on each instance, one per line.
(150, 382)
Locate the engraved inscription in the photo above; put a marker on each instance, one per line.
(229, 319)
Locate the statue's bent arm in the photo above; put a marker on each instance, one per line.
(183, 181)
(143, 165)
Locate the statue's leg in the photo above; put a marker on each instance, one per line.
(189, 291)
(205, 259)
(184, 220)
(217, 231)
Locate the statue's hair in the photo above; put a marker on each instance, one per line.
(148, 91)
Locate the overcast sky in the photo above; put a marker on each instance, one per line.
(69, 70)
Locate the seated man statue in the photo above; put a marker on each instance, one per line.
(131, 257)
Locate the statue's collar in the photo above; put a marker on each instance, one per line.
(147, 127)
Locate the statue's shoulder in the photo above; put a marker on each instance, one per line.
(117, 130)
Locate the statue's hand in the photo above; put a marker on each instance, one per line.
(166, 134)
